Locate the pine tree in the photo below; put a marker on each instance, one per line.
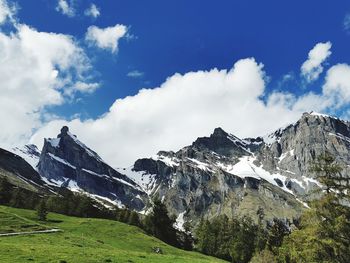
(42, 210)
(160, 224)
(324, 234)
(5, 191)
(134, 219)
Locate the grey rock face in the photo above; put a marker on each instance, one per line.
(18, 170)
(67, 162)
(223, 174)
(292, 151)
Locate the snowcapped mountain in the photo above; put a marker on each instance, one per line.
(67, 162)
(219, 174)
(223, 174)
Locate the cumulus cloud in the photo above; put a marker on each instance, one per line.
(312, 67)
(65, 7)
(337, 85)
(181, 109)
(106, 38)
(135, 74)
(335, 95)
(92, 11)
(7, 11)
(36, 71)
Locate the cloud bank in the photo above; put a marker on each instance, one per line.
(37, 70)
(181, 109)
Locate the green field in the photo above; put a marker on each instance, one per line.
(83, 240)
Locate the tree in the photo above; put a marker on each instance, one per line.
(277, 231)
(42, 210)
(160, 224)
(243, 245)
(5, 191)
(324, 234)
(134, 219)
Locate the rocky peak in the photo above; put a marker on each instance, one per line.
(222, 143)
(66, 161)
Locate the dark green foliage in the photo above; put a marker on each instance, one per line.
(41, 210)
(134, 219)
(5, 191)
(160, 224)
(324, 234)
(277, 231)
(236, 240)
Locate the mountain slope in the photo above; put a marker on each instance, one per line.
(19, 172)
(88, 240)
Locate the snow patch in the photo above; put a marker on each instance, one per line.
(179, 223)
(143, 179)
(55, 142)
(201, 165)
(61, 160)
(167, 160)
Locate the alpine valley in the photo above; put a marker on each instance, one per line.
(216, 175)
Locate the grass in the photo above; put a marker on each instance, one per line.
(10, 223)
(84, 240)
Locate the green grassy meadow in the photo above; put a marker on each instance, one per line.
(82, 240)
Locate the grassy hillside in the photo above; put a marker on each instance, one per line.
(82, 240)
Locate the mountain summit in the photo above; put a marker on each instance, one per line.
(65, 161)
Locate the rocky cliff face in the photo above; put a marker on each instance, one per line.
(67, 162)
(223, 174)
(291, 151)
(19, 172)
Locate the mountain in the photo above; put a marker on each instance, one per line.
(218, 174)
(67, 162)
(19, 172)
(222, 174)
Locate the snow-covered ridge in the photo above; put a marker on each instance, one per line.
(55, 142)
(61, 161)
(87, 149)
(169, 161)
(143, 179)
(29, 153)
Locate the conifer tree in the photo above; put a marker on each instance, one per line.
(324, 234)
(160, 224)
(42, 210)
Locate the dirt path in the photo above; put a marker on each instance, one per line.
(31, 232)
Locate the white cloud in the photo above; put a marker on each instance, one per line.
(106, 38)
(93, 11)
(181, 109)
(36, 70)
(65, 7)
(337, 85)
(135, 74)
(7, 11)
(312, 67)
(347, 22)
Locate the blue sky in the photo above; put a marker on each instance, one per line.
(134, 77)
(185, 36)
